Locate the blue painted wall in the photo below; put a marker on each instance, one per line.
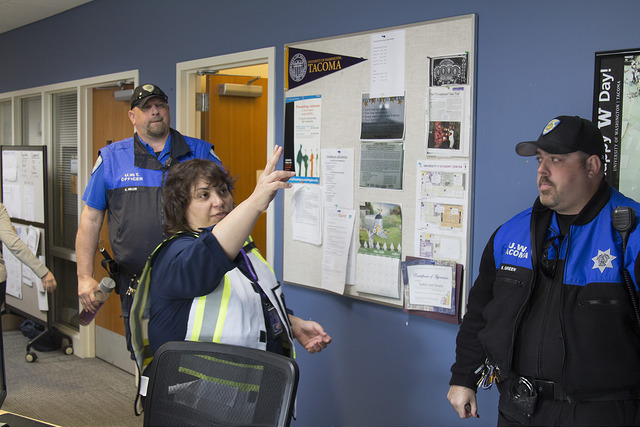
(535, 61)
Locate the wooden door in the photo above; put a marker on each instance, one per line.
(237, 127)
(110, 124)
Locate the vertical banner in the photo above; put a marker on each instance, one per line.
(302, 138)
(616, 110)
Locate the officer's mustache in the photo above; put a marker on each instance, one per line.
(544, 180)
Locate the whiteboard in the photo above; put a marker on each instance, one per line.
(341, 95)
(24, 195)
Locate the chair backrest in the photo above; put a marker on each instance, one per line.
(203, 383)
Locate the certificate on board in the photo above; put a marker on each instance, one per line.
(430, 285)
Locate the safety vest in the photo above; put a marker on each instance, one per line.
(230, 315)
(140, 310)
(233, 312)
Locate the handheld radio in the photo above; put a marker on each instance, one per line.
(623, 220)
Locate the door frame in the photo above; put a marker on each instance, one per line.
(87, 334)
(188, 120)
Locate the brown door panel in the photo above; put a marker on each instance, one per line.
(237, 127)
(110, 123)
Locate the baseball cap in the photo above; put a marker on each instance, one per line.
(566, 134)
(144, 92)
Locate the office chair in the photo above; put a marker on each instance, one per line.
(209, 384)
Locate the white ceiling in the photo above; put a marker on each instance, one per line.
(16, 13)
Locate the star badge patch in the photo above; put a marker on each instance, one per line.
(603, 260)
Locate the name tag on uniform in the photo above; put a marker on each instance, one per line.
(274, 321)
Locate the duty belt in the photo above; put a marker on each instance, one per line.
(551, 390)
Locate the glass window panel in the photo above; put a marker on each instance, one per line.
(64, 215)
(5, 122)
(31, 121)
(65, 170)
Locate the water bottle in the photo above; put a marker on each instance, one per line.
(102, 293)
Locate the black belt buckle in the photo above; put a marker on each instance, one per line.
(551, 390)
(546, 389)
(524, 395)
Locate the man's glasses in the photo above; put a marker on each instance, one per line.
(549, 256)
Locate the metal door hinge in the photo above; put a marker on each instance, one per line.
(202, 101)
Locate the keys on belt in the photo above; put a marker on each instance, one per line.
(488, 375)
(133, 284)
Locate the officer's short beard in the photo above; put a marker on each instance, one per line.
(157, 131)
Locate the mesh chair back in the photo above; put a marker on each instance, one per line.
(202, 383)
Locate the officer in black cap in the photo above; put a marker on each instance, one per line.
(552, 317)
(126, 183)
(145, 92)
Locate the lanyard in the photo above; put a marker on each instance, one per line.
(254, 276)
(272, 318)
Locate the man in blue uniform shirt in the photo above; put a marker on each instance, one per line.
(552, 317)
(126, 182)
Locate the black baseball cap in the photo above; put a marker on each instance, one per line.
(566, 134)
(144, 92)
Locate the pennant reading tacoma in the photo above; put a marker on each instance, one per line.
(305, 66)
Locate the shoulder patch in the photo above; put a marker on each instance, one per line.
(97, 164)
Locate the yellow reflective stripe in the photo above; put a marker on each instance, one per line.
(147, 356)
(146, 362)
(197, 321)
(224, 306)
(228, 362)
(239, 386)
(257, 253)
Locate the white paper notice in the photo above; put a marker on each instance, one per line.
(441, 205)
(306, 213)
(338, 229)
(378, 275)
(14, 273)
(387, 64)
(29, 203)
(43, 300)
(12, 199)
(447, 121)
(9, 167)
(337, 177)
(353, 254)
(31, 237)
(43, 297)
